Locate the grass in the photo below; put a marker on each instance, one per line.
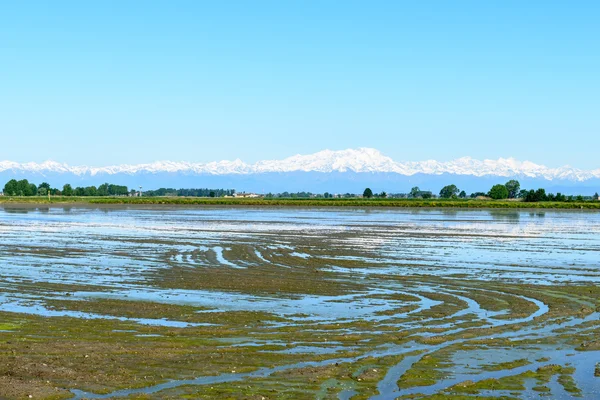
(353, 202)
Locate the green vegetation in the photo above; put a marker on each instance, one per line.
(449, 192)
(307, 202)
(416, 193)
(189, 192)
(24, 188)
(20, 188)
(450, 196)
(506, 365)
(498, 192)
(513, 187)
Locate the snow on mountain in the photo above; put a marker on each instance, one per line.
(362, 160)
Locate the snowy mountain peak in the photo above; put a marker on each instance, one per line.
(361, 160)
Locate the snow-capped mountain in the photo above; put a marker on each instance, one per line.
(353, 165)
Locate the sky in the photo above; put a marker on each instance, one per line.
(111, 82)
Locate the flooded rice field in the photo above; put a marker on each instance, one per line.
(266, 303)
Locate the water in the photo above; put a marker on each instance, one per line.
(395, 263)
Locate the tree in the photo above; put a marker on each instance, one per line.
(44, 185)
(67, 190)
(24, 188)
(449, 191)
(383, 195)
(90, 191)
(498, 192)
(10, 189)
(513, 187)
(368, 193)
(536, 195)
(463, 195)
(102, 190)
(596, 197)
(415, 192)
(477, 194)
(522, 193)
(540, 194)
(426, 195)
(42, 191)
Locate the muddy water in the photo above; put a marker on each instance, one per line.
(447, 275)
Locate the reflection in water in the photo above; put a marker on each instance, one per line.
(506, 215)
(15, 210)
(405, 263)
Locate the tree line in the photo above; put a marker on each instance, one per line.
(509, 190)
(189, 192)
(512, 190)
(25, 188)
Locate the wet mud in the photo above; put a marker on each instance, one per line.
(125, 302)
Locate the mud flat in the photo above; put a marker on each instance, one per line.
(124, 302)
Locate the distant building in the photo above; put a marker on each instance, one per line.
(247, 195)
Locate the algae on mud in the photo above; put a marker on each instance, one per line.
(109, 302)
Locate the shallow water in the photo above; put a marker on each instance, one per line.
(125, 253)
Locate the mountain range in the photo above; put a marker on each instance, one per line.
(335, 171)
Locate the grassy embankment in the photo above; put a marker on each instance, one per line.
(356, 202)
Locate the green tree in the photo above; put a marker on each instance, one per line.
(67, 190)
(382, 195)
(415, 192)
(24, 188)
(540, 194)
(426, 195)
(90, 191)
(44, 185)
(498, 192)
(368, 193)
(463, 195)
(449, 191)
(477, 194)
(513, 187)
(103, 190)
(10, 189)
(596, 197)
(536, 195)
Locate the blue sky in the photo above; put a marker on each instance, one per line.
(103, 82)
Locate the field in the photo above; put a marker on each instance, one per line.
(308, 202)
(141, 301)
